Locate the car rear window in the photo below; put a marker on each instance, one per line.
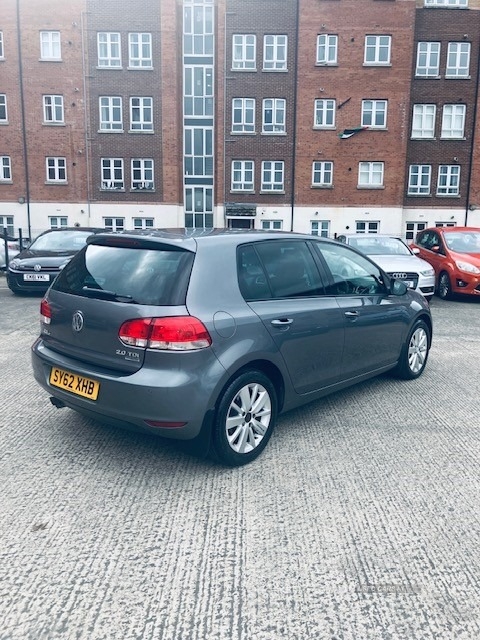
(137, 275)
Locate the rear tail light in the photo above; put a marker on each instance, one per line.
(178, 333)
(45, 312)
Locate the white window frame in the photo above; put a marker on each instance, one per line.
(56, 167)
(7, 222)
(243, 115)
(243, 175)
(322, 173)
(320, 228)
(141, 114)
(367, 226)
(458, 60)
(244, 52)
(371, 175)
(2, 46)
(3, 108)
(419, 179)
(272, 225)
(114, 224)
(109, 50)
(378, 45)
(423, 121)
(324, 113)
(140, 51)
(446, 3)
(274, 123)
(273, 176)
(275, 52)
(198, 91)
(448, 182)
(453, 121)
(198, 152)
(5, 169)
(110, 108)
(198, 207)
(50, 46)
(428, 60)
(143, 174)
(198, 29)
(412, 228)
(143, 223)
(53, 109)
(112, 174)
(58, 222)
(327, 49)
(373, 111)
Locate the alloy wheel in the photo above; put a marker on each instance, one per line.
(418, 350)
(248, 418)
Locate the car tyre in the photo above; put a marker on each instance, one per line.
(245, 419)
(444, 289)
(414, 355)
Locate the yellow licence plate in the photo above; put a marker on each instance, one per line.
(74, 383)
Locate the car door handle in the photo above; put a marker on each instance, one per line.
(352, 314)
(282, 322)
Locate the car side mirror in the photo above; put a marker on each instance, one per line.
(398, 288)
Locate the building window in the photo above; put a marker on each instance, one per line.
(142, 173)
(109, 51)
(458, 60)
(367, 227)
(324, 116)
(5, 169)
(273, 175)
(275, 53)
(419, 179)
(114, 224)
(243, 115)
(428, 60)
(445, 224)
(244, 52)
(2, 52)
(199, 207)
(112, 173)
(377, 49)
(453, 121)
(53, 109)
(111, 114)
(140, 50)
(6, 222)
(143, 223)
(322, 174)
(50, 45)
(198, 30)
(327, 49)
(370, 174)
(374, 114)
(448, 180)
(423, 121)
(272, 225)
(198, 91)
(273, 115)
(446, 3)
(56, 169)
(412, 228)
(3, 108)
(242, 175)
(198, 152)
(320, 228)
(58, 222)
(141, 114)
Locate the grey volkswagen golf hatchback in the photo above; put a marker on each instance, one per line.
(207, 336)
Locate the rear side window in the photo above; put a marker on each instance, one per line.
(142, 276)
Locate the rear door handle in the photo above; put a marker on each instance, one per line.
(282, 322)
(351, 314)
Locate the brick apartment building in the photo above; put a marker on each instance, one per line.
(319, 116)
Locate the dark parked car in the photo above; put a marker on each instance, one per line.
(208, 337)
(35, 268)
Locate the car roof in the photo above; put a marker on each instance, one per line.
(452, 229)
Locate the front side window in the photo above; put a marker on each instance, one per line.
(140, 50)
(114, 224)
(109, 52)
(370, 174)
(58, 222)
(458, 60)
(3, 108)
(428, 59)
(324, 114)
(198, 91)
(320, 228)
(423, 121)
(53, 109)
(50, 48)
(322, 174)
(56, 169)
(273, 115)
(243, 115)
(272, 175)
(377, 50)
(242, 175)
(142, 173)
(5, 169)
(453, 121)
(275, 53)
(419, 179)
(198, 152)
(111, 114)
(374, 114)
(244, 52)
(141, 114)
(448, 180)
(327, 49)
(112, 173)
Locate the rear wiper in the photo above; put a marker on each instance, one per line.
(109, 295)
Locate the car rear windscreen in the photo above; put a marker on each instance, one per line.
(137, 275)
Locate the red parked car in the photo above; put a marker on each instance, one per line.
(454, 253)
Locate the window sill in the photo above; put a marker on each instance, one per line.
(419, 195)
(422, 77)
(143, 131)
(248, 191)
(326, 64)
(377, 64)
(448, 195)
(113, 190)
(458, 77)
(50, 60)
(139, 68)
(106, 68)
(243, 133)
(133, 190)
(56, 182)
(274, 70)
(4, 122)
(6, 181)
(110, 131)
(444, 139)
(423, 138)
(244, 70)
(274, 133)
(327, 128)
(322, 186)
(53, 124)
(272, 191)
(370, 186)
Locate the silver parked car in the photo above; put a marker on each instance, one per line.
(206, 337)
(396, 258)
